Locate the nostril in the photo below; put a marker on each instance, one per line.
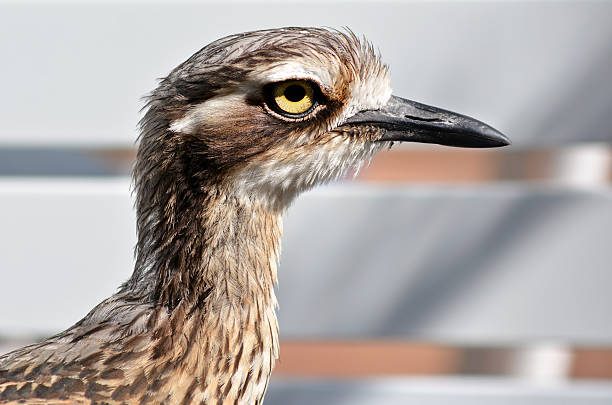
(413, 117)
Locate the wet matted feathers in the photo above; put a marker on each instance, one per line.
(229, 138)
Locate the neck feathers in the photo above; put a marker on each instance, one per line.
(197, 237)
(198, 242)
(206, 261)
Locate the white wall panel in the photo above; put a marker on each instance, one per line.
(503, 264)
(440, 391)
(65, 245)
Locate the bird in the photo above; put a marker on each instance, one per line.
(228, 140)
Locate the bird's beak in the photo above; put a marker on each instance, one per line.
(409, 121)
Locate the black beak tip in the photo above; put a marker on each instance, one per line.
(492, 138)
(474, 135)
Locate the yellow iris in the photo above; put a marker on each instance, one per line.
(294, 97)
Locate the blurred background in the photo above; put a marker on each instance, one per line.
(439, 276)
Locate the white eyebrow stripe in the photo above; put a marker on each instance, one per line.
(215, 108)
(292, 71)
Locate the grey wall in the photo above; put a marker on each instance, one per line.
(495, 264)
(478, 265)
(464, 391)
(539, 71)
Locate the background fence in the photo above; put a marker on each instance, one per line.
(439, 276)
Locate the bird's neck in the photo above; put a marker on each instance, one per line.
(206, 261)
(215, 249)
(208, 264)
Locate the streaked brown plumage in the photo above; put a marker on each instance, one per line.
(217, 164)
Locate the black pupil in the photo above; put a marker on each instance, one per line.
(295, 93)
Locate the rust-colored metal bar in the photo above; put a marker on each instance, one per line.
(365, 358)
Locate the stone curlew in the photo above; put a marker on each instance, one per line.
(229, 138)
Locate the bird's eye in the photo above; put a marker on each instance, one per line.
(293, 98)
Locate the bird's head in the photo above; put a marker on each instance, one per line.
(268, 114)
